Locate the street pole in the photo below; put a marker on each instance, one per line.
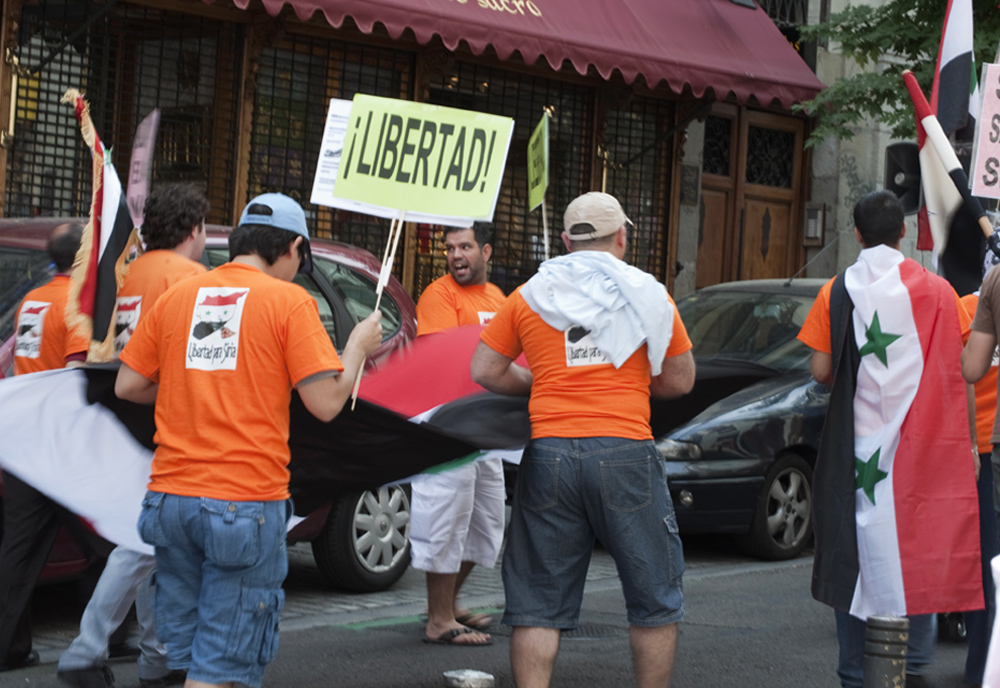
(885, 652)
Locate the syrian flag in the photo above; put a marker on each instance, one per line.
(107, 241)
(895, 449)
(104, 479)
(953, 215)
(954, 81)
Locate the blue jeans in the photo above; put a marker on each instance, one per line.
(571, 491)
(980, 623)
(220, 566)
(851, 636)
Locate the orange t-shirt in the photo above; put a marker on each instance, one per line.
(228, 346)
(986, 391)
(815, 332)
(42, 341)
(148, 277)
(445, 303)
(567, 400)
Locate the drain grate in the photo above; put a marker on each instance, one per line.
(583, 632)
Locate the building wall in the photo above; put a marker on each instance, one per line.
(689, 215)
(845, 170)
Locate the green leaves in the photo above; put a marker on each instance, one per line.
(882, 42)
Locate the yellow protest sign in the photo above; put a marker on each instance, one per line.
(538, 163)
(424, 158)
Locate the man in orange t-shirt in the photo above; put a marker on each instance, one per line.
(42, 339)
(219, 355)
(600, 337)
(173, 231)
(31, 520)
(457, 517)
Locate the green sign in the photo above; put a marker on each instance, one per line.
(423, 158)
(538, 163)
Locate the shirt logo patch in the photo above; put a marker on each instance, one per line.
(580, 349)
(126, 318)
(214, 340)
(485, 316)
(30, 323)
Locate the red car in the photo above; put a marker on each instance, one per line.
(360, 542)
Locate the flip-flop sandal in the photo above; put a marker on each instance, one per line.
(448, 638)
(475, 620)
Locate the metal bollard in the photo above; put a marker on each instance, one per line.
(885, 652)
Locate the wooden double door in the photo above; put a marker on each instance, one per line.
(751, 196)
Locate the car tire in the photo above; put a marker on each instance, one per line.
(782, 520)
(365, 544)
(951, 627)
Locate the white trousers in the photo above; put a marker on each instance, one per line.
(458, 516)
(126, 578)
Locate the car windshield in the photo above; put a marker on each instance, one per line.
(21, 270)
(746, 326)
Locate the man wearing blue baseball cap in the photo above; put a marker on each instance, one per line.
(219, 355)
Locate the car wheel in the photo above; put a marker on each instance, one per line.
(951, 627)
(782, 520)
(365, 544)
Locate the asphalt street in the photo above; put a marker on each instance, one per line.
(748, 624)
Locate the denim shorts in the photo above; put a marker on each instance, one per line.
(571, 491)
(220, 566)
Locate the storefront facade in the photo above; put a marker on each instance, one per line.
(243, 89)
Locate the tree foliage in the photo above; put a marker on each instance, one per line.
(883, 41)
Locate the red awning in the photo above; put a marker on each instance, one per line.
(703, 44)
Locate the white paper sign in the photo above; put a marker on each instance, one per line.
(985, 169)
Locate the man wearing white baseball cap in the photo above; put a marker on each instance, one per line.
(599, 336)
(219, 355)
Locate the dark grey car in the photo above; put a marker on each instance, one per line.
(740, 448)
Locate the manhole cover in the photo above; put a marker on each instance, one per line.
(584, 631)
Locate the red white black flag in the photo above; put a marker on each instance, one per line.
(107, 240)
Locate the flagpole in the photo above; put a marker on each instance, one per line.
(545, 230)
(395, 229)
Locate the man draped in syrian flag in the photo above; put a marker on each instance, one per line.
(108, 238)
(895, 504)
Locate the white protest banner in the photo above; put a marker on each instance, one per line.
(139, 169)
(985, 168)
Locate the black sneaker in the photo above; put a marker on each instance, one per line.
(91, 677)
(29, 660)
(123, 651)
(171, 678)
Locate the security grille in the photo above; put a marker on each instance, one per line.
(294, 83)
(128, 60)
(770, 157)
(518, 243)
(786, 13)
(638, 176)
(716, 151)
